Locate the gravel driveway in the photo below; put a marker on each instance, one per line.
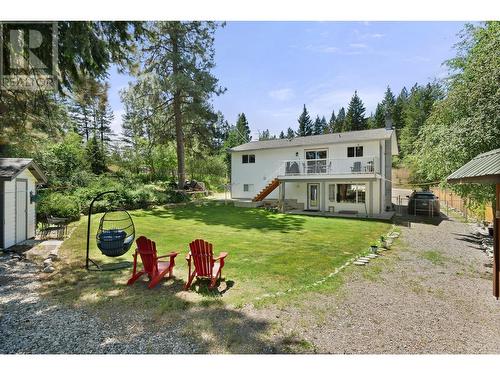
(405, 303)
(431, 294)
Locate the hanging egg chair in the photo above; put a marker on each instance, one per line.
(116, 233)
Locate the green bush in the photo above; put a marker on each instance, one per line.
(58, 204)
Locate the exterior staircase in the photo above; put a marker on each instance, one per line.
(267, 190)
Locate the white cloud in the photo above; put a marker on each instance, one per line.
(324, 100)
(281, 94)
(322, 48)
(358, 45)
(417, 59)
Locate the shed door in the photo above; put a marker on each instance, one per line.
(21, 210)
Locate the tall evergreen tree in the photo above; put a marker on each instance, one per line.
(324, 125)
(389, 102)
(96, 156)
(282, 135)
(379, 117)
(243, 129)
(418, 109)
(265, 135)
(340, 121)
(290, 133)
(398, 119)
(177, 62)
(305, 124)
(317, 126)
(331, 123)
(355, 117)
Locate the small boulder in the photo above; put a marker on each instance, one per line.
(49, 269)
(47, 262)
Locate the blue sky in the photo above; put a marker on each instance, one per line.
(270, 69)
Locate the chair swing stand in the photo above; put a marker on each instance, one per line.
(114, 237)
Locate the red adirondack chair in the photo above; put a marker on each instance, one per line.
(205, 265)
(155, 269)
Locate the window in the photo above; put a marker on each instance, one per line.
(331, 192)
(354, 151)
(316, 161)
(245, 159)
(347, 193)
(247, 187)
(311, 155)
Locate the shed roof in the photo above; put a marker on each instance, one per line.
(312, 140)
(12, 167)
(484, 168)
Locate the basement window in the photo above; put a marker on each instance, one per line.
(247, 187)
(245, 159)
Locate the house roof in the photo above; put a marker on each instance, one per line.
(484, 168)
(312, 140)
(12, 167)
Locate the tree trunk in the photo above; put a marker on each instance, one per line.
(179, 134)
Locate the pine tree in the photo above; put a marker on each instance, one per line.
(317, 126)
(398, 113)
(340, 121)
(324, 126)
(418, 109)
(176, 64)
(389, 102)
(243, 129)
(265, 135)
(290, 133)
(355, 117)
(379, 117)
(305, 124)
(282, 135)
(331, 123)
(96, 155)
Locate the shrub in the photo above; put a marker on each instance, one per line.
(58, 204)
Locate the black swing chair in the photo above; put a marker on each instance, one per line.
(114, 237)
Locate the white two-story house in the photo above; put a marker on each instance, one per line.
(346, 172)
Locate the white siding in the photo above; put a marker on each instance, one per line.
(267, 163)
(9, 220)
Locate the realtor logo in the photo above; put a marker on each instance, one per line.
(28, 56)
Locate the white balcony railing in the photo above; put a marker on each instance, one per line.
(302, 167)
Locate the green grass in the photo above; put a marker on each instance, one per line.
(268, 253)
(433, 256)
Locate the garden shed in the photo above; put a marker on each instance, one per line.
(485, 169)
(18, 181)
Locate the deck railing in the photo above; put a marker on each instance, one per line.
(303, 167)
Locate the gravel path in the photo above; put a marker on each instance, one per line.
(409, 304)
(29, 324)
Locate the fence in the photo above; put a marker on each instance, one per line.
(416, 207)
(453, 202)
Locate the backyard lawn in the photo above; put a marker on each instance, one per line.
(268, 253)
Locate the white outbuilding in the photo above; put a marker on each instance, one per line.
(18, 181)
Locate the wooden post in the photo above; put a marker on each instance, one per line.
(496, 245)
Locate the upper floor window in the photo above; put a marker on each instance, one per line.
(354, 151)
(245, 159)
(319, 154)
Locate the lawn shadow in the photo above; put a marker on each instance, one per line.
(201, 286)
(200, 323)
(228, 215)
